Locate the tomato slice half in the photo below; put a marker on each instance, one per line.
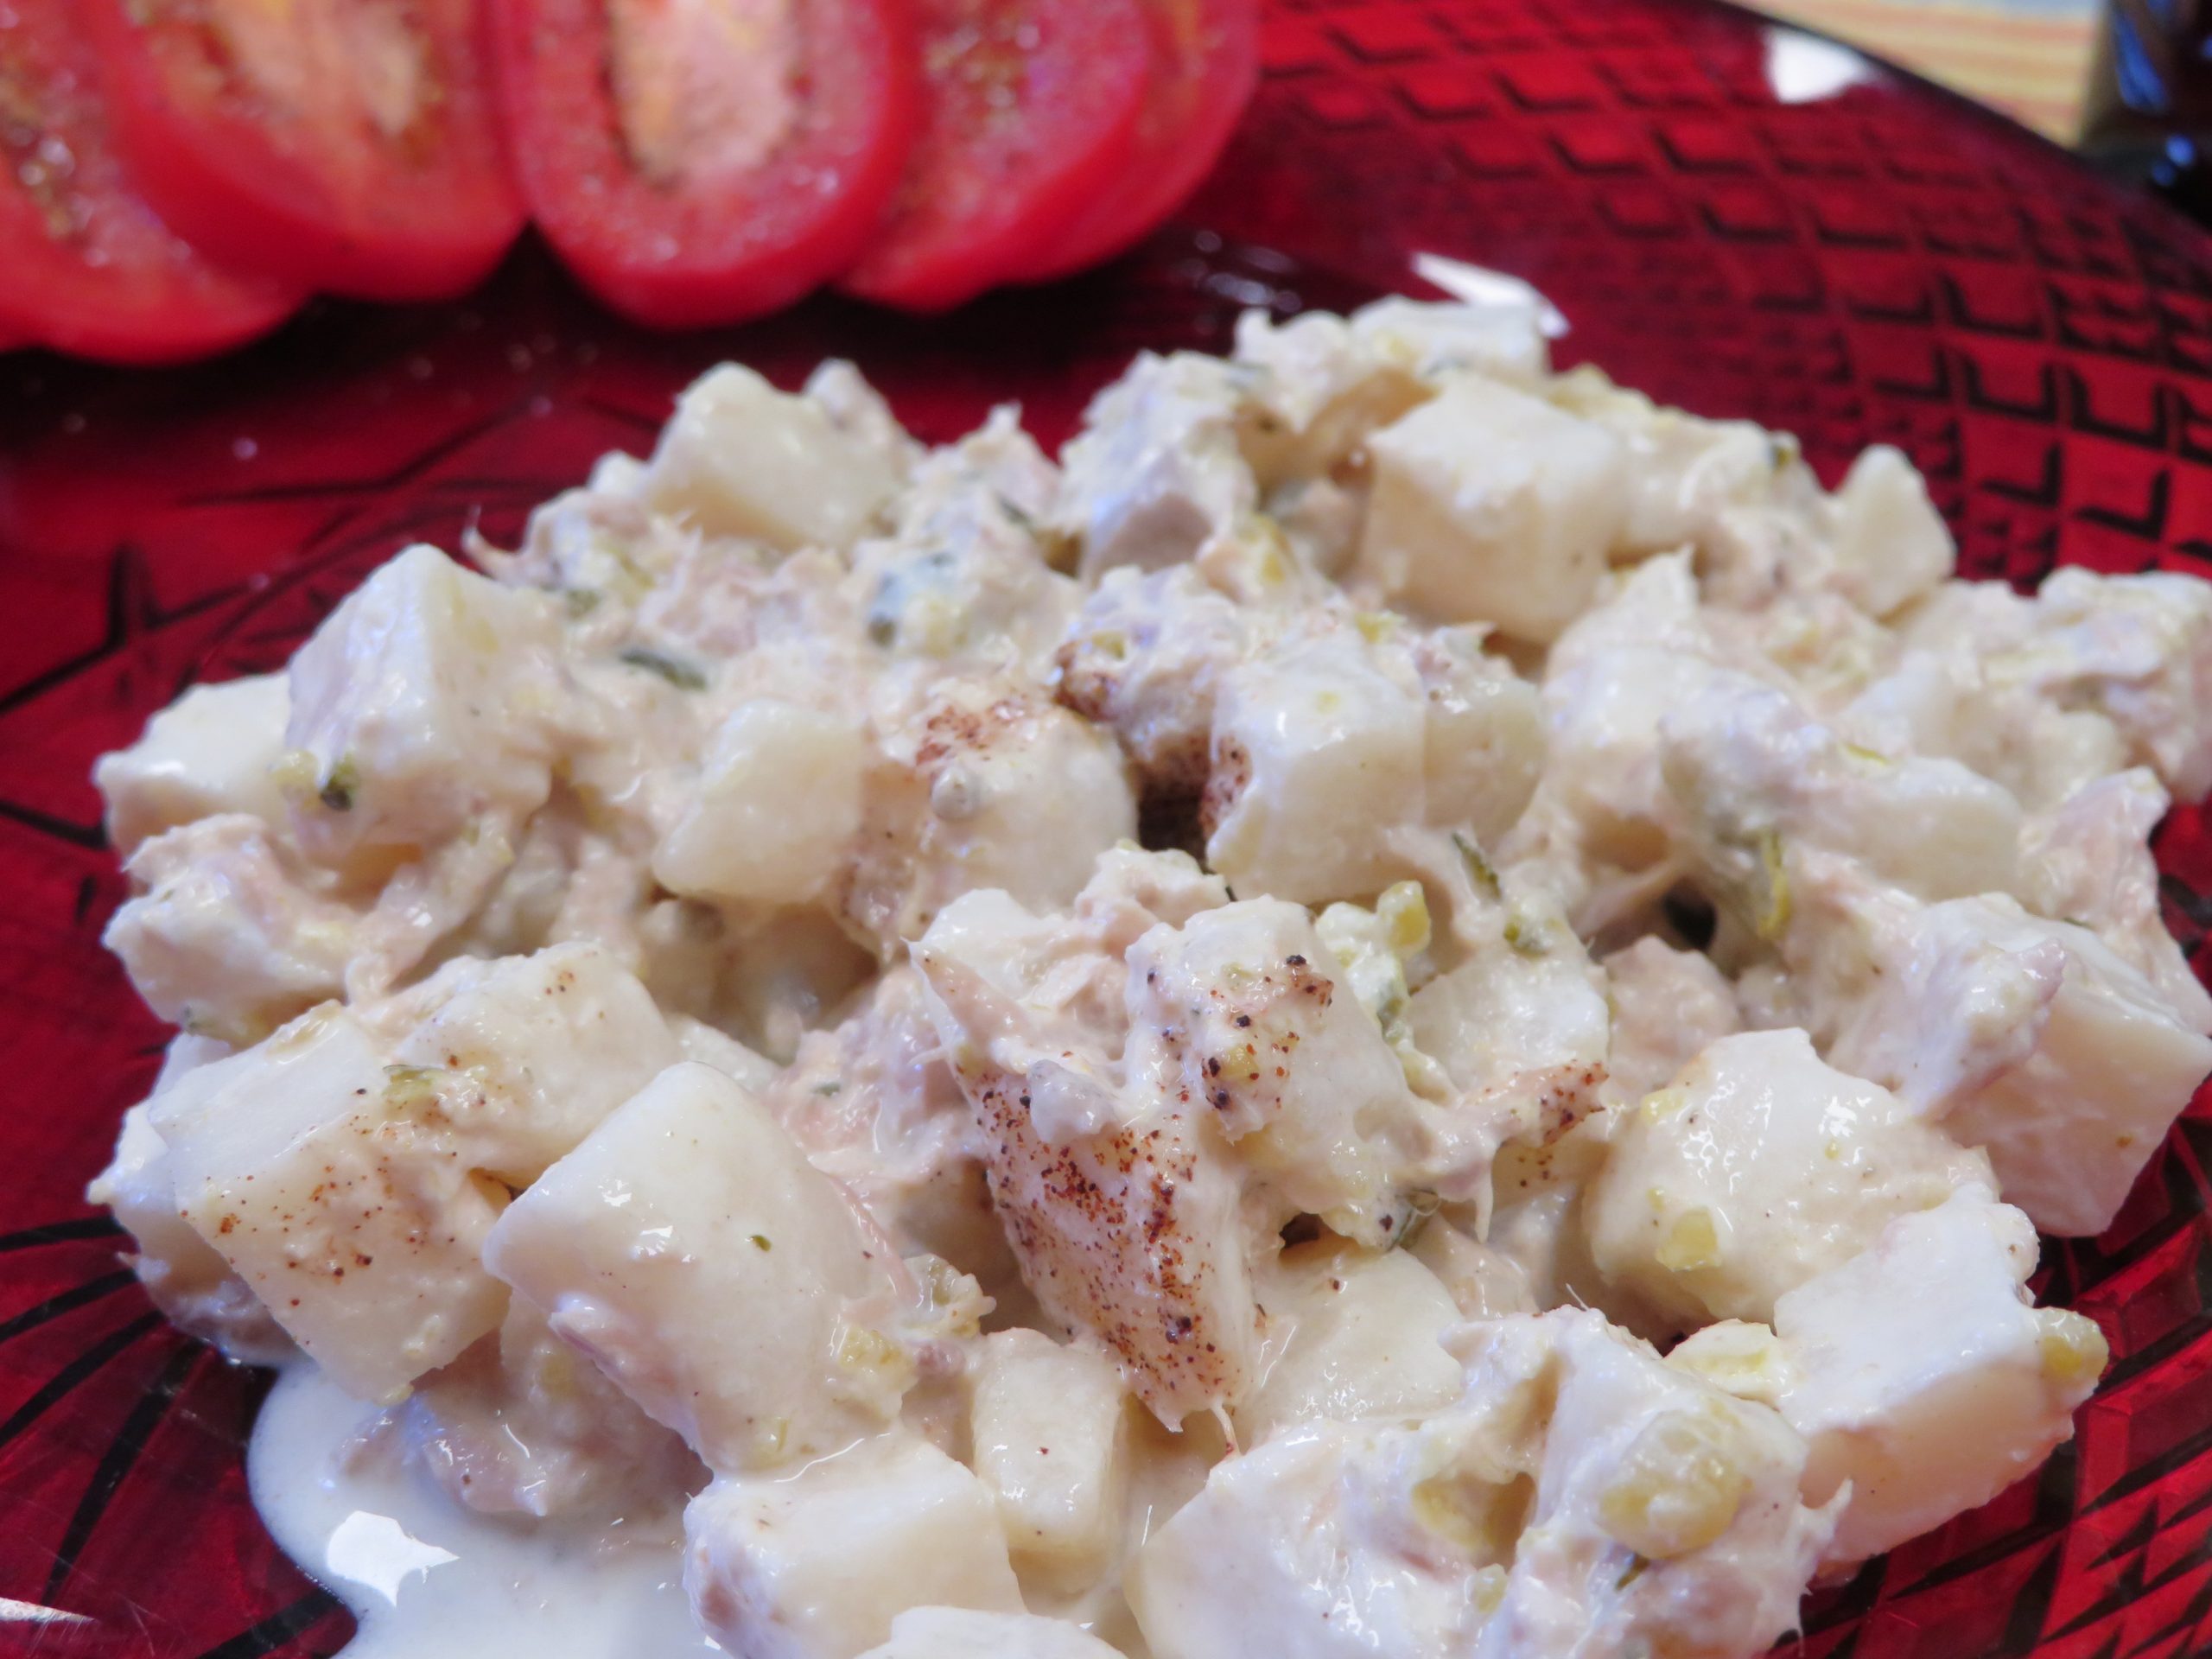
(87, 267)
(701, 162)
(351, 145)
(1208, 53)
(1029, 110)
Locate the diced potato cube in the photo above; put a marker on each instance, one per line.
(1351, 1335)
(228, 935)
(1925, 1378)
(1756, 776)
(740, 458)
(777, 805)
(1759, 1167)
(691, 1250)
(859, 413)
(348, 1211)
(1522, 1021)
(426, 702)
(1156, 473)
(1028, 803)
(1929, 825)
(1051, 1441)
(550, 1043)
(1324, 385)
(1487, 326)
(1277, 1555)
(984, 791)
(816, 1566)
(1610, 680)
(959, 1633)
(188, 1280)
(1493, 505)
(2137, 649)
(1685, 474)
(208, 751)
(2070, 1126)
(1313, 747)
(1483, 746)
(710, 1046)
(2032, 1039)
(1890, 544)
(2088, 859)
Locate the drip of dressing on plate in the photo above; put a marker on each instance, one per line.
(428, 1579)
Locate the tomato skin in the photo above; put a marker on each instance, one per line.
(89, 269)
(352, 215)
(1209, 57)
(1030, 110)
(700, 252)
(176, 315)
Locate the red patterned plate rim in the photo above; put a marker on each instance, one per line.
(1890, 264)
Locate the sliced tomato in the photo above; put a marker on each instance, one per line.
(88, 267)
(1208, 63)
(1029, 110)
(702, 162)
(351, 145)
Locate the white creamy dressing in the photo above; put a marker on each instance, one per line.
(428, 1579)
(476, 918)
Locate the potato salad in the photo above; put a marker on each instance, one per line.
(1407, 1007)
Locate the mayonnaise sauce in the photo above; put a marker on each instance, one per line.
(428, 1579)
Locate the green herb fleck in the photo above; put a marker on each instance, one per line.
(760, 1242)
(581, 602)
(1420, 1206)
(1480, 870)
(828, 1088)
(340, 786)
(1774, 917)
(410, 1085)
(1525, 938)
(1632, 1572)
(1021, 519)
(681, 675)
(1110, 643)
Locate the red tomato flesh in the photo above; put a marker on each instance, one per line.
(701, 162)
(1029, 110)
(351, 145)
(88, 267)
(1208, 63)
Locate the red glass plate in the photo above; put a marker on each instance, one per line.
(1876, 262)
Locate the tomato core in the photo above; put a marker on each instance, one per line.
(702, 88)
